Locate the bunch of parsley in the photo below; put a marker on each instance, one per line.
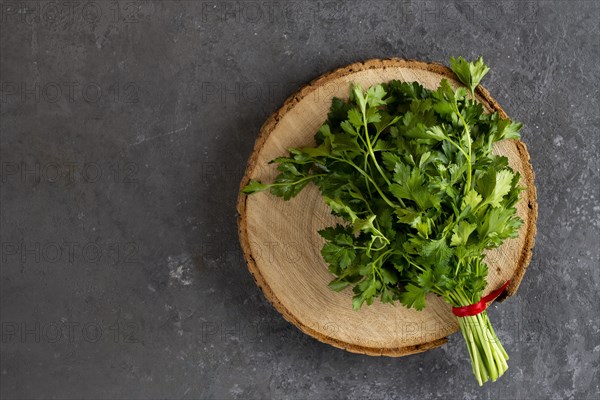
(412, 173)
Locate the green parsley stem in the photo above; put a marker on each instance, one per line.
(469, 158)
(362, 172)
(452, 142)
(365, 167)
(488, 356)
(298, 181)
(359, 194)
(414, 264)
(370, 147)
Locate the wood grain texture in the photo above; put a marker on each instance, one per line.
(282, 247)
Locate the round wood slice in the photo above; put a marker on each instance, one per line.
(282, 247)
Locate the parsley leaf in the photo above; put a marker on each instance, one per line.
(469, 73)
(413, 296)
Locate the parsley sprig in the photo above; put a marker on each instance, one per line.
(412, 173)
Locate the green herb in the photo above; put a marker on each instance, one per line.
(412, 173)
(469, 73)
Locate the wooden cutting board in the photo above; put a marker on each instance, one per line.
(282, 247)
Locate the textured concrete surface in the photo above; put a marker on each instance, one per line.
(125, 128)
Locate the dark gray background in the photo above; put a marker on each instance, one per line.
(125, 130)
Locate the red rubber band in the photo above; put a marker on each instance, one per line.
(480, 306)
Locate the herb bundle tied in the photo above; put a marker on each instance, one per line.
(412, 173)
